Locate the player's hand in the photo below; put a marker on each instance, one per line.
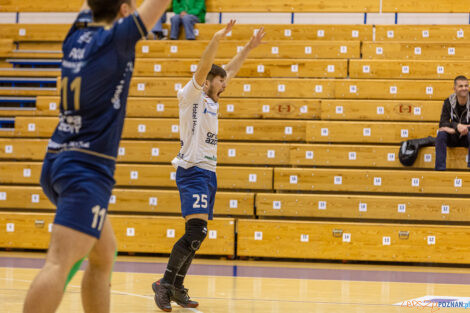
(223, 32)
(256, 40)
(462, 129)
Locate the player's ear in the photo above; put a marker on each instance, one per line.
(125, 10)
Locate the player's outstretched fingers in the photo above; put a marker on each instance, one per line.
(228, 28)
(257, 38)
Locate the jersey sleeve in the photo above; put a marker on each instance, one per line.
(127, 31)
(190, 94)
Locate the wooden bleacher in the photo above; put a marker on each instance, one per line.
(131, 200)
(367, 132)
(39, 33)
(281, 49)
(140, 128)
(361, 207)
(270, 108)
(367, 6)
(309, 130)
(245, 153)
(381, 110)
(372, 181)
(133, 233)
(146, 175)
(422, 32)
(266, 68)
(353, 241)
(305, 88)
(407, 69)
(412, 50)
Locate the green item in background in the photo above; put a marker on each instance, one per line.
(193, 7)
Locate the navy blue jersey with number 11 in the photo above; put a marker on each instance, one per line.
(96, 71)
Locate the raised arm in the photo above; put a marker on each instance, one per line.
(208, 56)
(151, 10)
(234, 66)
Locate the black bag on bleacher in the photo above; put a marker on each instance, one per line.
(409, 149)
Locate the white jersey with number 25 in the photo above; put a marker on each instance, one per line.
(198, 116)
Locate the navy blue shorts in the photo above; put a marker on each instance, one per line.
(80, 193)
(197, 189)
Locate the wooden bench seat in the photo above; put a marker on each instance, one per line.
(305, 88)
(289, 32)
(27, 91)
(245, 153)
(268, 108)
(29, 33)
(297, 6)
(6, 45)
(240, 87)
(369, 156)
(252, 130)
(168, 107)
(35, 32)
(27, 72)
(353, 241)
(412, 50)
(140, 175)
(134, 233)
(35, 54)
(402, 208)
(145, 128)
(393, 89)
(407, 69)
(422, 32)
(130, 201)
(381, 110)
(251, 68)
(326, 109)
(368, 132)
(283, 49)
(139, 151)
(372, 181)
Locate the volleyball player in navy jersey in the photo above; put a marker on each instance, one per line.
(78, 169)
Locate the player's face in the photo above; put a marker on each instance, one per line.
(216, 87)
(461, 88)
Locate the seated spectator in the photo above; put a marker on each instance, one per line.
(157, 30)
(454, 123)
(188, 13)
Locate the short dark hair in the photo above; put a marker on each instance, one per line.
(460, 77)
(105, 10)
(216, 71)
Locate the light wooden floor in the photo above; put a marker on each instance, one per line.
(131, 291)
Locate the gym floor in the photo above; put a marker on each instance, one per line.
(258, 286)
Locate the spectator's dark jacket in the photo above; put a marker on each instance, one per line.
(449, 116)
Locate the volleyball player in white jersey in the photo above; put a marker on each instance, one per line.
(196, 163)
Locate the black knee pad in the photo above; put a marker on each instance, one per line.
(196, 232)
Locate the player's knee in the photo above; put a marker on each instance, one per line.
(196, 232)
(103, 257)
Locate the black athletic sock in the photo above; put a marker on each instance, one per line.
(183, 270)
(178, 256)
(184, 249)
